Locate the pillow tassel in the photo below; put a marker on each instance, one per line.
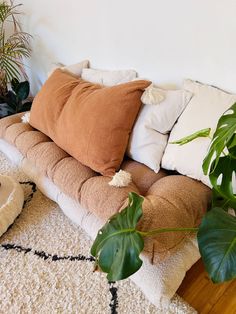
(26, 117)
(121, 179)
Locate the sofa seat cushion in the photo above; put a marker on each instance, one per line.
(68, 173)
(173, 201)
(169, 201)
(142, 176)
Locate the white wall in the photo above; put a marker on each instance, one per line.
(164, 40)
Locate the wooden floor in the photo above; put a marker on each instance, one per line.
(206, 297)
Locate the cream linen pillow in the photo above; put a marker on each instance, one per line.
(203, 111)
(156, 118)
(75, 69)
(108, 78)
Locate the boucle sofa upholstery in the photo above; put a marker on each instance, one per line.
(86, 197)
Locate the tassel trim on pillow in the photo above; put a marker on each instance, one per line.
(26, 117)
(152, 95)
(121, 179)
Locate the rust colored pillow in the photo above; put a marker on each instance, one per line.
(89, 121)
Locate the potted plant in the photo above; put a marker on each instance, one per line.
(13, 48)
(119, 243)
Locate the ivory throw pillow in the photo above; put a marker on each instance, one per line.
(108, 78)
(90, 122)
(75, 69)
(203, 111)
(156, 118)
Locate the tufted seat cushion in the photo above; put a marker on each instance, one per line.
(169, 201)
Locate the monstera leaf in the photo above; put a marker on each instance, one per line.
(218, 200)
(217, 244)
(224, 171)
(118, 244)
(223, 139)
(190, 138)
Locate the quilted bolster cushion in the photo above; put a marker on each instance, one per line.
(169, 201)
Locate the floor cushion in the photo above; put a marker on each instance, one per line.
(11, 201)
(85, 197)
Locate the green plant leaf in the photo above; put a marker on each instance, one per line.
(224, 171)
(5, 110)
(190, 138)
(14, 84)
(13, 46)
(11, 100)
(7, 10)
(217, 244)
(232, 145)
(10, 66)
(25, 106)
(219, 200)
(118, 244)
(222, 139)
(22, 90)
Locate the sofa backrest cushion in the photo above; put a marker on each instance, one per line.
(107, 77)
(74, 69)
(89, 121)
(149, 137)
(203, 111)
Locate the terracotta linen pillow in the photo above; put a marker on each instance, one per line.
(50, 101)
(89, 121)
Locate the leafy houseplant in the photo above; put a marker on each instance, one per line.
(15, 100)
(13, 48)
(119, 243)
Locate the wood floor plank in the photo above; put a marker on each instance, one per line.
(206, 297)
(227, 302)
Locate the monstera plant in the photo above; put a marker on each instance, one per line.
(119, 243)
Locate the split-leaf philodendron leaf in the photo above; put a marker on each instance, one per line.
(220, 162)
(223, 139)
(190, 138)
(217, 244)
(224, 171)
(118, 244)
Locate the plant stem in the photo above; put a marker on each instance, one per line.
(162, 230)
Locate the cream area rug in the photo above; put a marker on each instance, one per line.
(46, 267)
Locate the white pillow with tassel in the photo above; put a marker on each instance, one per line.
(161, 108)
